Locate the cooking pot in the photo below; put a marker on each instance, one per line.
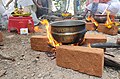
(68, 31)
(100, 18)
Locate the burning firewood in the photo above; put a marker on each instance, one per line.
(48, 29)
(90, 18)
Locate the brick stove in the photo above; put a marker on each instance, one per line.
(83, 59)
(102, 28)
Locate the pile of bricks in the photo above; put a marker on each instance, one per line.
(83, 59)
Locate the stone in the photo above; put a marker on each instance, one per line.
(2, 72)
(40, 75)
(111, 31)
(95, 38)
(40, 43)
(83, 59)
(90, 26)
(118, 41)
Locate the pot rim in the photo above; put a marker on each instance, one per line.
(64, 23)
(100, 15)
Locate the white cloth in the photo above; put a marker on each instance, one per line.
(10, 7)
(101, 7)
(114, 7)
(109, 2)
(2, 8)
(25, 3)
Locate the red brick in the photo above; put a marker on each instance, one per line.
(95, 38)
(40, 43)
(90, 26)
(104, 29)
(1, 37)
(83, 59)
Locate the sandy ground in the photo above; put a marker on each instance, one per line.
(32, 64)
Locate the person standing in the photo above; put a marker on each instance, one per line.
(42, 7)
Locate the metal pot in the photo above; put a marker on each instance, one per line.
(78, 17)
(100, 18)
(68, 31)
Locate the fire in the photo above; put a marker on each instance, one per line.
(90, 18)
(89, 45)
(37, 29)
(108, 23)
(50, 38)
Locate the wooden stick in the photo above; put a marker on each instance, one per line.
(111, 62)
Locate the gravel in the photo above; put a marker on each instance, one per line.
(32, 64)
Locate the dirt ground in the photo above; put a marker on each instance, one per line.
(30, 64)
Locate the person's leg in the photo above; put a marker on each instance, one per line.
(39, 12)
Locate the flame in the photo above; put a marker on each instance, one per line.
(50, 38)
(90, 18)
(89, 45)
(108, 23)
(37, 29)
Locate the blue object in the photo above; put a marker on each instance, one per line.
(94, 8)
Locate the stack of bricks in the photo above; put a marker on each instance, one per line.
(1, 37)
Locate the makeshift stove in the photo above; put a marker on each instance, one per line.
(61, 38)
(103, 23)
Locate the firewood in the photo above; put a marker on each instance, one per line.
(111, 61)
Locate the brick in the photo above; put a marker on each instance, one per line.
(104, 29)
(1, 37)
(95, 38)
(83, 59)
(90, 26)
(40, 43)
